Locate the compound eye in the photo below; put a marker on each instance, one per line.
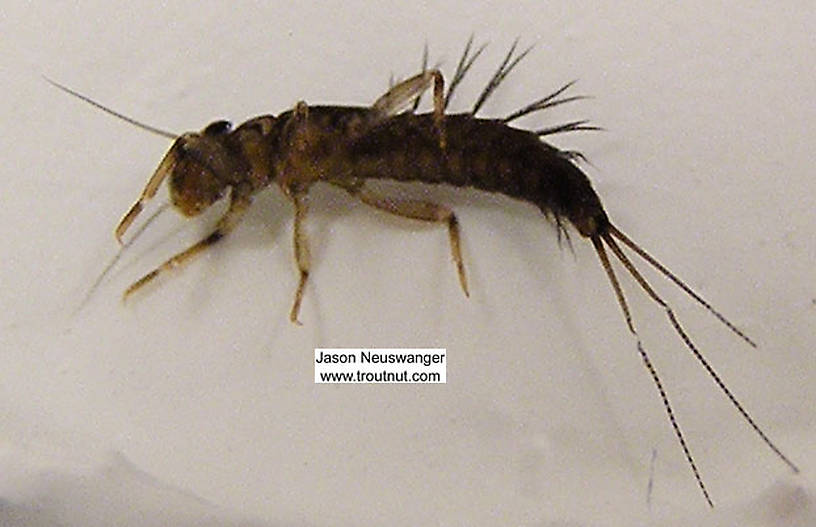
(218, 128)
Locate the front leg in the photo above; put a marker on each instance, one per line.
(238, 205)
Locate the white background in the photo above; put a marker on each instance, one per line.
(195, 404)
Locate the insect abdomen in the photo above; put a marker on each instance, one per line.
(480, 153)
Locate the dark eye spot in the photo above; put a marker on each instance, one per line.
(218, 128)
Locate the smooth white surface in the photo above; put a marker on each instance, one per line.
(201, 388)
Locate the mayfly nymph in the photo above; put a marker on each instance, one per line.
(345, 146)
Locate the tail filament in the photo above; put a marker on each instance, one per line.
(609, 238)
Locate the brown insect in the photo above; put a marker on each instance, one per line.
(347, 145)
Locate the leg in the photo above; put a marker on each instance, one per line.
(417, 210)
(301, 251)
(237, 207)
(418, 98)
(165, 167)
(400, 95)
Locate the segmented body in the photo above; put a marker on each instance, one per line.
(487, 154)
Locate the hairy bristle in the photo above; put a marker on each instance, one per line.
(507, 65)
(548, 101)
(462, 68)
(573, 126)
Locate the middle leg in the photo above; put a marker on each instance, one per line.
(301, 246)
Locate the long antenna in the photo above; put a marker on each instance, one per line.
(113, 261)
(134, 122)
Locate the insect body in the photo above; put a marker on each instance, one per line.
(346, 146)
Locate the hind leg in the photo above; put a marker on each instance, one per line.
(399, 96)
(417, 210)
